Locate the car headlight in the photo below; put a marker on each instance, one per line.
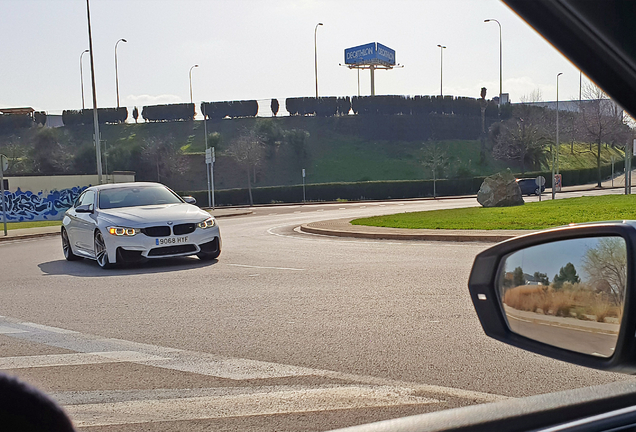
(208, 223)
(121, 231)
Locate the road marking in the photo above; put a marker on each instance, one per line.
(241, 405)
(76, 359)
(265, 267)
(115, 350)
(10, 330)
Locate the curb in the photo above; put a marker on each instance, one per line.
(343, 228)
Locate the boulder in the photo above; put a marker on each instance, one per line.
(500, 190)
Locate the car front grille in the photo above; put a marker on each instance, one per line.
(183, 229)
(156, 231)
(172, 250)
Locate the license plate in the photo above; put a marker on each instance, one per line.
(171, 240)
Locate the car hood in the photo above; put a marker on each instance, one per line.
(154, 214)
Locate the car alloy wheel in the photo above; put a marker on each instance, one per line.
(101, 254)
(66, 247)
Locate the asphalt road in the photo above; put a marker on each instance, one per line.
(286, 331)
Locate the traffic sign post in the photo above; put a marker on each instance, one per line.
(4, 165)
(303, 185)
(540, 182)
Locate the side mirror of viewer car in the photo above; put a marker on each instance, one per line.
(565, 293)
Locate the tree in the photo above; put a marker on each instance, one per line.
(542, 278)
(165, 155)
(247, 150)
(48, 155)
(135, 114)
(567, 273)
(435, 158)
(274, 106)
(606, 264)
(522, 137)
(518, 278)
(602, 121)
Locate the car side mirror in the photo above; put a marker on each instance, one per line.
(189, 199)
(84, 208)
(564, 293)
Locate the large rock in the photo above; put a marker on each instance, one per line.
(500, 190)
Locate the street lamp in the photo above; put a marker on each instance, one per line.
(500, 65)
(98, 149)
(557, 136)
(190, 74)
(82, 76)
(116, 74)
(441, 68)
(316, 57)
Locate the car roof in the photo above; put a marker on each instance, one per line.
(123, 185)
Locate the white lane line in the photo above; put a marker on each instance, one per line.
(47, 328)
(76, 359)
(270, 403)
(265, 267)
(10, 330)
(96, 349)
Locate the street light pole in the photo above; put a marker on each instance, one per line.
(98, 149)
(441, 68)
(557, 138)
(500, 65)
(116, 73)
(316, 57)
(190, 75)
(82, 76)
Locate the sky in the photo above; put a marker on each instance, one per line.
(261, 49)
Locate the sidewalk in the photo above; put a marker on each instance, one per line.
(27, 233)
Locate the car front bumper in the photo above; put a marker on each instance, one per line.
(141, 245)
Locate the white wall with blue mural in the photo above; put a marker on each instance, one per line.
(29, 206)
(40, 198)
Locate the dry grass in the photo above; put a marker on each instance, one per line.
(570, 301)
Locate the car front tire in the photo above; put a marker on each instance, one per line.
(537, 191)
(101, 254)
(66, 247)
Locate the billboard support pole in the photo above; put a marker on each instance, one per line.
(372, 69)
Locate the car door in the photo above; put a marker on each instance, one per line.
(83, 223)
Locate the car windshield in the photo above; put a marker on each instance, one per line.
(135, 197)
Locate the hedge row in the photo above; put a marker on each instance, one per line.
(170, 112)
(13, 122)
(381, 190)
(104, 115)
(372, 190)
(322, 107)
(420, 105)
(232, 109)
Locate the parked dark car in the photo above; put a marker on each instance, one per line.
(529, 186)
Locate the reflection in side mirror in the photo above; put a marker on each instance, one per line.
(569, 293)
(189, 199)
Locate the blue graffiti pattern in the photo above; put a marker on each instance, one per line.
(28, 206)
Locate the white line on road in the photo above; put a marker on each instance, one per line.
(242, 405)
(265, 267)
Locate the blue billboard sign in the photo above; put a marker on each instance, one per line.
(385, 54)
(360, 54)
(371, 53)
